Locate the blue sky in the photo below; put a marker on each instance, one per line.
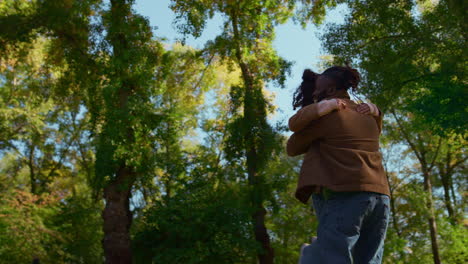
(293, 43)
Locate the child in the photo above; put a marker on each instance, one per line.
(314, 111)
(317, 87)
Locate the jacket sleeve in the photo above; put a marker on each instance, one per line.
(303, 117)
(299, 142)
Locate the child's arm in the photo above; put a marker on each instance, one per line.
(312, 112)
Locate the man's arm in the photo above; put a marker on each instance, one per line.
(312, 112)
(299, 142)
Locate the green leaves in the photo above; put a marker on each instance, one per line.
(401, 53)
(40, 226)
(196, 226)
(86, 92)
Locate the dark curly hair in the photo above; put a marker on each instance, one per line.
(336, 78)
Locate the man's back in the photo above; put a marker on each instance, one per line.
(349, 129)
(350, 151)
(342, 160)
(342, 153)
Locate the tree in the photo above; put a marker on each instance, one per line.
(206, 223)
(109, 60)
(410, 62)
(291, 223)
(419, 216)
(203, 219)
(248, 31)
(426, 149)
(451, 162)
(43, 191)
(409, 59)
(124, 142)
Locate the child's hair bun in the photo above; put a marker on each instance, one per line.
(309, 76)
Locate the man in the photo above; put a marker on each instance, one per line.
(342, 170)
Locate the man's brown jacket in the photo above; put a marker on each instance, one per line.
(341, 150)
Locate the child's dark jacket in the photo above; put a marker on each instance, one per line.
(341, 150)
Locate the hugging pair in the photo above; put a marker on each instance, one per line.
(342, 168)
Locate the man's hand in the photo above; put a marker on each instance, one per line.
(368, 109)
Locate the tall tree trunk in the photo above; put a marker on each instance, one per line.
(251, 116)
(445, 175)
(32, 174)
(393, 209)
(445, 179)
(425, 168)
(258, 217)
(118, 218)
(116, 215)
(446, 172)
(452, 191)
(432, 221)
(261, 235)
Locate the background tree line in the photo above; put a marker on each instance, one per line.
(117, 148)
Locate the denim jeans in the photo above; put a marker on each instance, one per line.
(352, 228)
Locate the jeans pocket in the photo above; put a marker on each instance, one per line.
(350, 214)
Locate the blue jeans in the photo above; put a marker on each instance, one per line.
(352, 228)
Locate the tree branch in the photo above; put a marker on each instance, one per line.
(406, 136)
(436, 154)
